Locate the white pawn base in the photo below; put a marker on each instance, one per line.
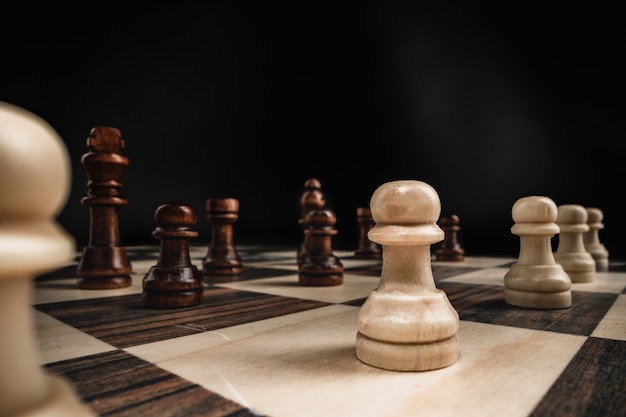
(407, 357)
(600, 255)
(579, 266)
(419, 331)
(538, 286)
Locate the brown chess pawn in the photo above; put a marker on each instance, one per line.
(104, 263)
(320, 267)
(450, 249)
(174, 281)
(312, 199)
(222, 257)
(366, 249)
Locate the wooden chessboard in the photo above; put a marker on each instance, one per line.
(263, 345)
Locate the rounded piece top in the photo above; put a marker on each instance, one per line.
(35, 175)
(572, 218)
(222, 205)
(594, 215)
(405, 213)
(105, 139)
(312, 183)
(175, 215)
(35, 170)
(535, 215)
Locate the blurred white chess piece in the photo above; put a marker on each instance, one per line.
(35, 175)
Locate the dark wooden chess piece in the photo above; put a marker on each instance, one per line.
(312, 199)
(104, 263)
(366, 249)
(319, 266)
(222, 257)
(174, 281)
(450, 249)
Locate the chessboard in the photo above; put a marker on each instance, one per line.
(260, 344)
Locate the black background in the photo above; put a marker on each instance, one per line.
(248, 100)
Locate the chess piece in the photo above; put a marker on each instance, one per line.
(450, 249)
(174, 281)
(536, 280)
(312, 199)
(591, 239)
(571, 252)
(407, 324)
(35, 176)
(320, 267)
(366, 249)
(222, 257)
(104, 263)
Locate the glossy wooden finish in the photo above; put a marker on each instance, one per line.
(450, 249)
(366, 249)
(104, 263)
(174, 281)
(222, 257)
(312, 199)
(320, 267)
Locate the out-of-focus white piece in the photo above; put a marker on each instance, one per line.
(571, 252)
(35, 175)
(536, 280)
(591, 239)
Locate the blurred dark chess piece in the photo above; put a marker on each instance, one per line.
(174, 281)
(104, 263)
(320, 267)
(450, 249)
(366, 249)
(222, 257)
(312, 199)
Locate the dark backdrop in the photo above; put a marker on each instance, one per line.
(230, 99)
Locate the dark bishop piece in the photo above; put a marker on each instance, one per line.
(104, 263)
(174, 281)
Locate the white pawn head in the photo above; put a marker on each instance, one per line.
(572, 218)
(535, 215)
(405, 213)
(35, 175)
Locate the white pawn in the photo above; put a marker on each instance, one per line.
(35, 182)
(571, 253)
(536, 280)
(406, 324)
(591, 239)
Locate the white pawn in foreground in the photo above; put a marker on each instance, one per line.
(406, 324)
(591, 239)
(35, 182)
(571, 252)
(536, 280)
